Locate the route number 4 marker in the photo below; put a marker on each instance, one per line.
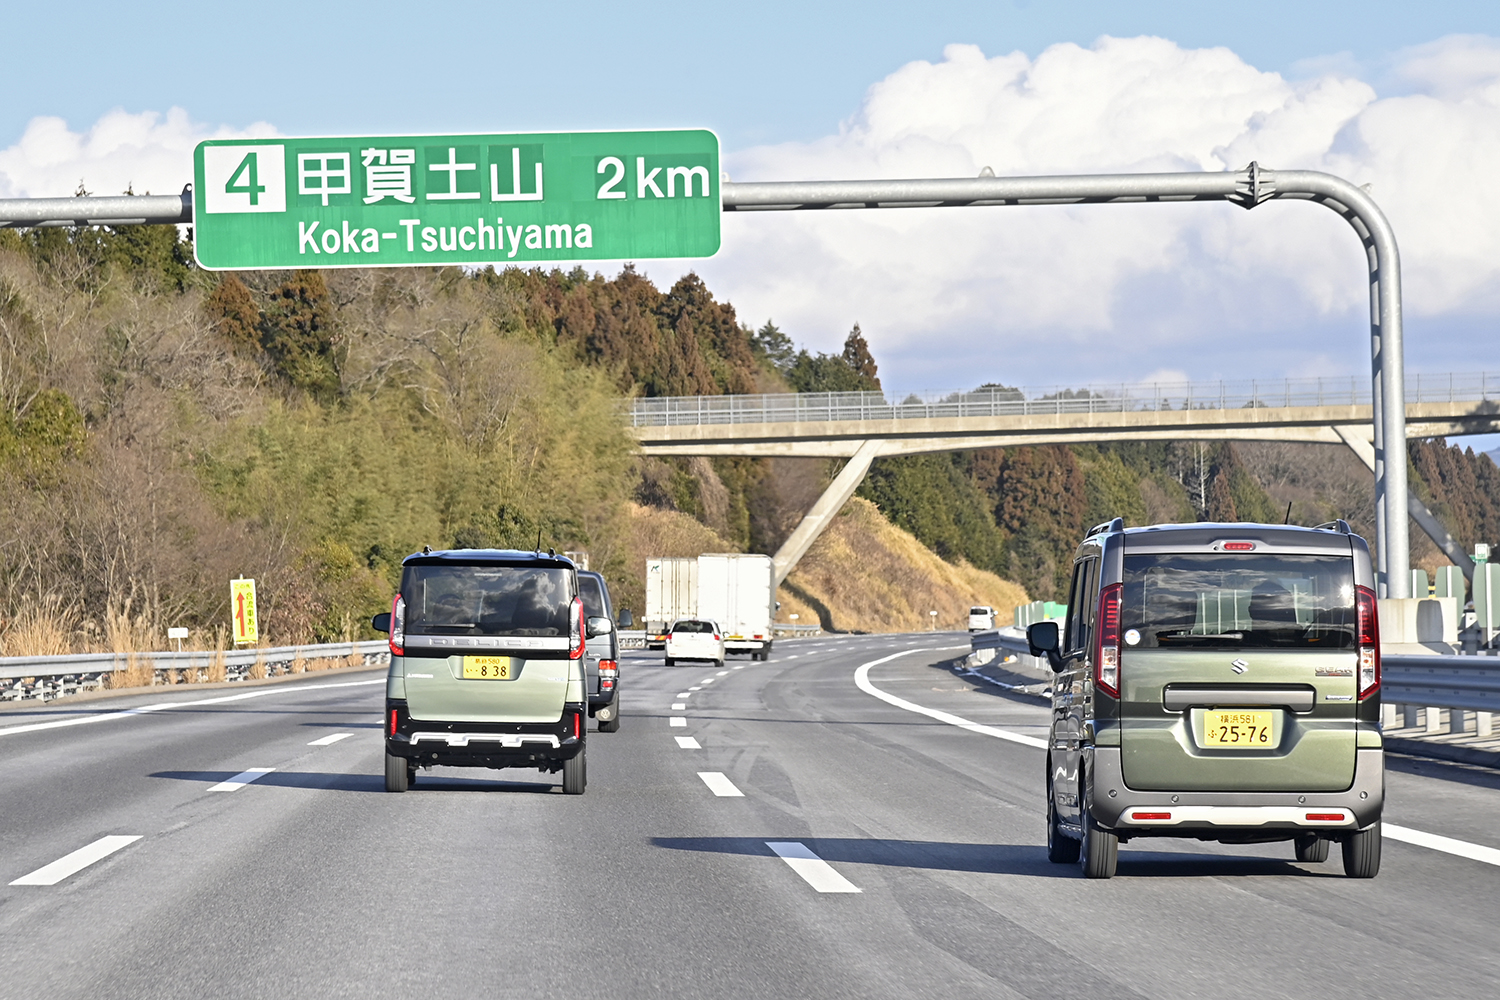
(242, 611)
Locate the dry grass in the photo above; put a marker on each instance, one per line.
(37, 630)
(872, 576)
(138, 671)
(655, 533)
(216, 673)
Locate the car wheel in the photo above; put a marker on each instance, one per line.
(576, 772)
(671, 662)
(612, 724)
(1061, 848)
(719, 663)
(397, 777)
(1312, 848)
(1099, 853)
(1362, 853)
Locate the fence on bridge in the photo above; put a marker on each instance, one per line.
(1001, 401)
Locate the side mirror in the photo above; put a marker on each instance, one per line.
(625, 619)
(599, 626)
(1043, 640)
(381, 622)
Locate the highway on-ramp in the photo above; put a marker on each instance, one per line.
(836, 822)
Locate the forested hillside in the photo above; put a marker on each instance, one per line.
(163, 429)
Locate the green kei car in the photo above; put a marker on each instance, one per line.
(1218, 682)
(487, 665)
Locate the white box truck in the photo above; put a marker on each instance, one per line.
(733, 589)
(736, 591)
(671, 593)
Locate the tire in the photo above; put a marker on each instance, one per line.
(1099, 854)
(1362, 853)
(397, 777)
(671, 662)
(576, 773)
(719, 664)
(1312, 848)
(1061, 848)
(612, 725)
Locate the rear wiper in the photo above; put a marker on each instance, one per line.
(1236, 636)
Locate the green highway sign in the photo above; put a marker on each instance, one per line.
(392, 201)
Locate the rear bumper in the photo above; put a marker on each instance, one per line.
(1113, 804)
(746, 645)
(485, 744)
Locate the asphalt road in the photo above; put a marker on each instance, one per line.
(907, 857)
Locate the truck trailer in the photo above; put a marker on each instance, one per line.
(735, 590)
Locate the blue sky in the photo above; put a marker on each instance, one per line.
(758, 73)
(1381, 92)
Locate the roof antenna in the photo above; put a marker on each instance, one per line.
(1288, 518)
(539, 539)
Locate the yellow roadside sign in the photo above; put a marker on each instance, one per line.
(242, 611)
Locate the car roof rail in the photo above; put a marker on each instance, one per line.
(1118, 524)
(1337, 524)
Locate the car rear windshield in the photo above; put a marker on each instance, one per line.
(487, 599)
(979, 611)
(593, 596)
(1193, 601)
(693, 627)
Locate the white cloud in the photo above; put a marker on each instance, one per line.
(147, 152)
(949, 297)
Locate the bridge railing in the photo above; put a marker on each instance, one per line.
(998, 401)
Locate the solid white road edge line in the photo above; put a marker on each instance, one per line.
(242, 779)
(814, 870)
(676, 722)
(720, 785)
(687, 743)
(77, 861)
(862, 681)
(330, 739)
(164, 705)
(1462, 848)
(1432, 841)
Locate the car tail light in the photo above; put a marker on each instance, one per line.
(1367, 627)
(1325, 817)
(398, 626)
(1239, 546)
(1150, 815)
(393, 722)
(716, 637)
(608, 671)
(577, 724)
(1107, 641)
(576, 653)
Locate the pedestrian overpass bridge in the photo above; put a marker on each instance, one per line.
(863, 426)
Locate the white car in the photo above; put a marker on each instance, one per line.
(981, 618)
(695, 639)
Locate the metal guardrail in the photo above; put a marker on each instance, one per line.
(779, 628)
(23, 677)
(805, 407)
(1470, 683)
(631, 638)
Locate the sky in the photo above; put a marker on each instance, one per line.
(1403, 97)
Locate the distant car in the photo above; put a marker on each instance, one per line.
(981, 618)
(602, 659)
(695, 639)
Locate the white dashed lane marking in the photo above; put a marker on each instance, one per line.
(721, 673)
(720, 785)
(330, 739)
(677, 722)
(687, 743)
(814, 870)
(684, 694)
(242, 779)
(1436, 842)
(76, 862)
(678, 706)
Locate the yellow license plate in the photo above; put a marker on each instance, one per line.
(1234, 728)
(487, 668)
